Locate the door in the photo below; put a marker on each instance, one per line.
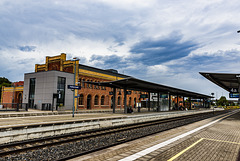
(89, 102)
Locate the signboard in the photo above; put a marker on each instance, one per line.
(233, 95)
(143, 96)
(74, 87)
(164, 96)
(234, 90)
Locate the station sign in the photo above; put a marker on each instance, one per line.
(233, 95)
(234, 90)
(74, 87)
(143, 96)
(164, 96)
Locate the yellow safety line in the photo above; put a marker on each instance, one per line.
(174, 157)
(222, 141)
(183, 151)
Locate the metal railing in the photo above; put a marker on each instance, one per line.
(14, 107)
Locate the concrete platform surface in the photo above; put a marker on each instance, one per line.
(219, 141)
(37, 117)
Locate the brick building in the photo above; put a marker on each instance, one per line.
(41, 86)
(13, 94)
(48, 85)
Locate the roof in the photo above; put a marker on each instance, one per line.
(104, 71)
(140, 85)
(225, 80)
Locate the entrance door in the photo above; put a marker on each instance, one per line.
(89, 102)
(19, 98)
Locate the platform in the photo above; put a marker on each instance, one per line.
(220, 140)
(19, 126)
(13, 118)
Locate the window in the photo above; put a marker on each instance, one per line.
(83, 84)
(80, 82)
(61, 90)
(119, 100)
(98, 86)
(81, 99)
(96, 100)
(87, 84)
(32, 92)
(91, 86)
(102, 100)
(95, 86)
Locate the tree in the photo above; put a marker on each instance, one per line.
(4, 82)
(222, 101)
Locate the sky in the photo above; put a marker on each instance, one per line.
(166, 42)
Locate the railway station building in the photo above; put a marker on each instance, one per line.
(48, 88)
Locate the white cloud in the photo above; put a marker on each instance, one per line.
(31, 30)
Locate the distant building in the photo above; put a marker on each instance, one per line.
(48, 86)
(13, 94)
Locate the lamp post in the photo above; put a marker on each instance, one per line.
(75, 59)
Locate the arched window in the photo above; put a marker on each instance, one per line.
(96, 100)
(89, 100)
(102, 100)
(135, 102)
(119, 100)
(81, 100)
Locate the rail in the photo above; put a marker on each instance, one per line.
(79, 143)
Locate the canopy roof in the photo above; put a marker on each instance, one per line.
(141, 85)
(225, 80)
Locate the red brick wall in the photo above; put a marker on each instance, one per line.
(100, 91)
(54, 66)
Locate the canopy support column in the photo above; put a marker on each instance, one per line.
(158, 102)
(190, 102)
(125, 99)
(177, 102)
(114, 99)
(169, 101)
(149, 103)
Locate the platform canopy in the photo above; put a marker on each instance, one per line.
(225, 80)
(131, 83)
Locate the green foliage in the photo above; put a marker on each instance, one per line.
(4, 82)
(222, 101)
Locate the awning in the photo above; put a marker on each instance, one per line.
(225, 80)
(131, 83)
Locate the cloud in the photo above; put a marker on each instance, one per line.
(166, 44)
(27, 48)
(157, 51)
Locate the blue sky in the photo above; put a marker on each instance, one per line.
(167, 42)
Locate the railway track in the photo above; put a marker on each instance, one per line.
(76, 144)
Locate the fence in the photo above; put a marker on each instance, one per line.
(14, 107)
